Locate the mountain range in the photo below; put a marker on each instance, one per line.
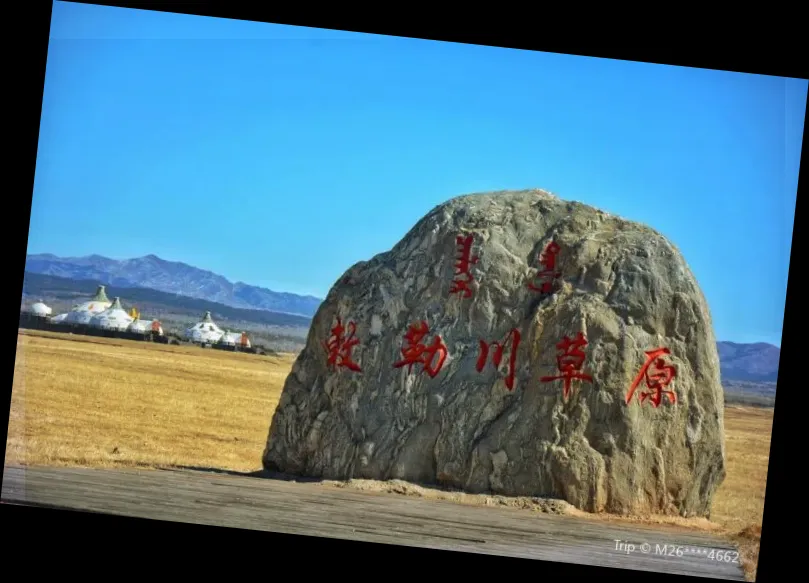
(740, 363)
(755, 363)
(174, 277)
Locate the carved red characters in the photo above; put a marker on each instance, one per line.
(339, 346)
(569, 361)
(658, 375)
(415, 351)
(547, 275)
(497, 357)
(463, 275)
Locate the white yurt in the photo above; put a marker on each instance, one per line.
(205, 331)
(141, 326)
(39, 309)
(113, 318)
(227, 339)
(82, 313)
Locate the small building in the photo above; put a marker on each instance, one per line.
(82, 313)
(39, 309)
(157, 327)
(113, 318)
(139, 326)
(205, 331)
(239, 339)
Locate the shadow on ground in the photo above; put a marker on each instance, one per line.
(266, 474)
(423, 489)
(271, 475)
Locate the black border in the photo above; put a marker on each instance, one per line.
(86, 540)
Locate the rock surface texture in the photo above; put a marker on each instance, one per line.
(399, 378)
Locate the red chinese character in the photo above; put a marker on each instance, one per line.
(548, 260)
(497, 357)
(415, 351)
(569, 361)
(339, 346)
(462, 265)
(661, 376)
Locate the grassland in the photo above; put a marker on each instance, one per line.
(97, 402)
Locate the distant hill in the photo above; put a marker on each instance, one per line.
(756, 363)
(152, 272)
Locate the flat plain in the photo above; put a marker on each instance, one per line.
(82, 402)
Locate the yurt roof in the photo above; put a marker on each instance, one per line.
(115, 312)
(206, 324)
(82, 314)
(204, 331)
(101, 295)
(96, 304)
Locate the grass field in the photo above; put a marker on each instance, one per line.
(97, 402)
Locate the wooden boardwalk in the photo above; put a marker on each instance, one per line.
(329, 511)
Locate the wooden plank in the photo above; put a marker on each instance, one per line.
(321, 510)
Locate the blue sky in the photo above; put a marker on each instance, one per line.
(279, 156)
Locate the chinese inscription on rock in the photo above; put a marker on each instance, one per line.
(543, 280)
(658, 375)
(497, 356)
(340, 345)
(569, 360)
(415, 351)
(463, 263)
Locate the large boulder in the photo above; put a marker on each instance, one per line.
(399, 377)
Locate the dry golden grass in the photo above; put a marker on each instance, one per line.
(739, 503)
(98, 402)
(95, 402)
